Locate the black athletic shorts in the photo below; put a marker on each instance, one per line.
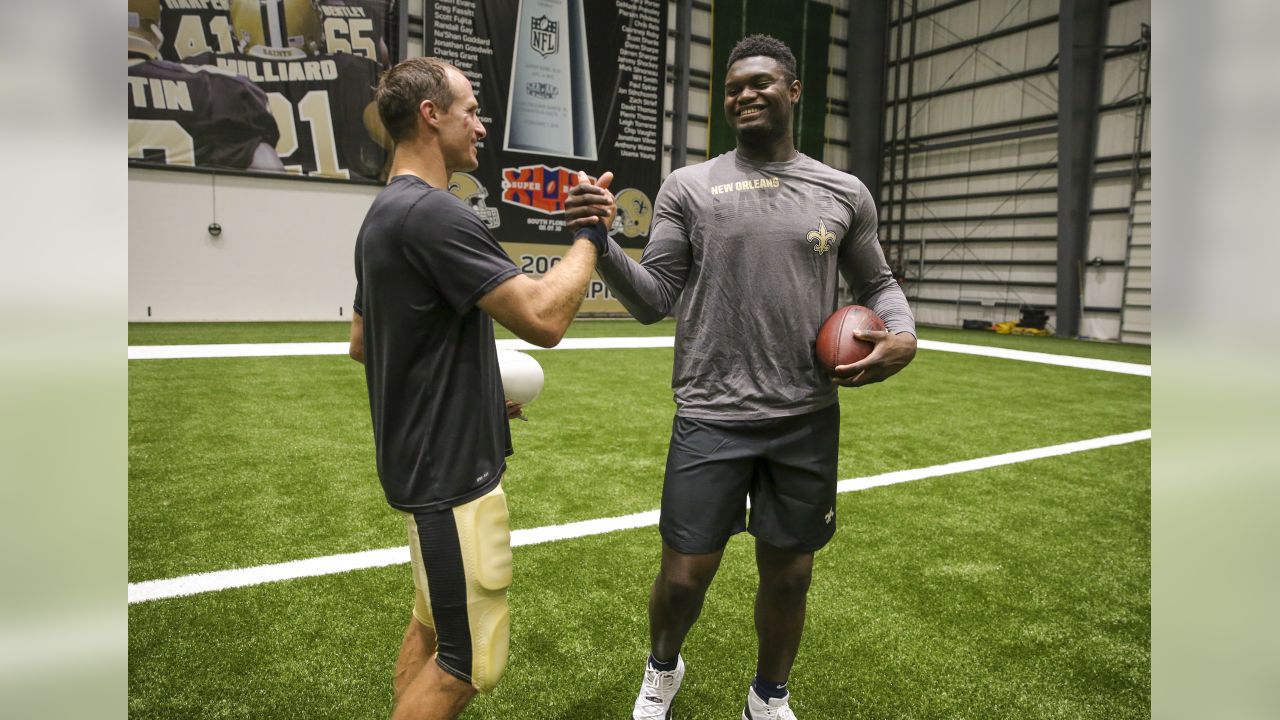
(786, 466)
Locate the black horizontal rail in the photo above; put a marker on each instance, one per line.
(978, 40)
(973, 196)
(1001, 79)
(1011, 304)
(979, 281)
(1012, 240)
(691, 151)
(975, 218)
(699, 39)
(692, 117)
(1015, 122)
(1036, 167)
(1012, 263)
(1043, 215)
(987, 139)
(940, 7)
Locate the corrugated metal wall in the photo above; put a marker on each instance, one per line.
(973, 226)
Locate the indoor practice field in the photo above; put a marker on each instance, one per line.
(1020, 590)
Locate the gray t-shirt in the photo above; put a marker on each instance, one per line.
(750, 252)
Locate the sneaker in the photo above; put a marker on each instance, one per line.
(657, 692)
(775, 709)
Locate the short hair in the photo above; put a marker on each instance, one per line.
(403, 88)
(768, 46)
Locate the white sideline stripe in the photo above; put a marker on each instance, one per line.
(178, 352)
(230, 350)
(234, 350)
(1038, 357)
(332, 564)
(964, 466)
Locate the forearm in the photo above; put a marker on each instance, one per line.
(648, 293)
(559, 293)
(356, 347)
(886, 298)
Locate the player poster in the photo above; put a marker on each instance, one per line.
(280, 86)
(563, 85)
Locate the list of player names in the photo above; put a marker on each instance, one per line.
(640, 65)
(454, 39)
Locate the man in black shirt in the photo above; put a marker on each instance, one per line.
(430, 280)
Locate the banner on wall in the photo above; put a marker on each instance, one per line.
(282, 86)
(563, 86)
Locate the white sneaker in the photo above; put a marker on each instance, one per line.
(657, 692)
(775, 709)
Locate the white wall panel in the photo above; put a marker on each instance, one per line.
(701, 21)
(1100, 326)
(996, 15)
(1107, 237)
(285, 252)
(1125, 21)
(1103, 286)
(949, 26)
(1111, 193)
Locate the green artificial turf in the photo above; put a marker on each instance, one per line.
(280, 332)
(141, 333)
(271, 459)
(1017, 592)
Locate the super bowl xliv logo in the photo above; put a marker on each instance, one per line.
(543, 36)
(538, 187)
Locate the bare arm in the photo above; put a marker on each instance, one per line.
(540, 310)
(357, 338)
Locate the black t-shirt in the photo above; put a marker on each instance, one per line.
(183, 115)
(423, 259)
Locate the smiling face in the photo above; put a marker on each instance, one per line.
(460, 127)
(759, 100)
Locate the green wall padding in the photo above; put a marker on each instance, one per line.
(806, 29)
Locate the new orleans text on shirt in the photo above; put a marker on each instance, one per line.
(754, 184)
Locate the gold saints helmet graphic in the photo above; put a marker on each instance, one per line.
(276, 29)
(469, 190)
(635, 214)
(821, 238)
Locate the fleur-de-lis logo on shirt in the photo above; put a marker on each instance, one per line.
(820, 238)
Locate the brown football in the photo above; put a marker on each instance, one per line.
(836, 344)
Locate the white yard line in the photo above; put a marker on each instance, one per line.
(176, 352)
(1038, 357)
(314, 567)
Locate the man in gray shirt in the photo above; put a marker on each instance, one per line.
(746, 248)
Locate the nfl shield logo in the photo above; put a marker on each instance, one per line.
(543, 36)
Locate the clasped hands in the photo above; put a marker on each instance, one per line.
(590, 202)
